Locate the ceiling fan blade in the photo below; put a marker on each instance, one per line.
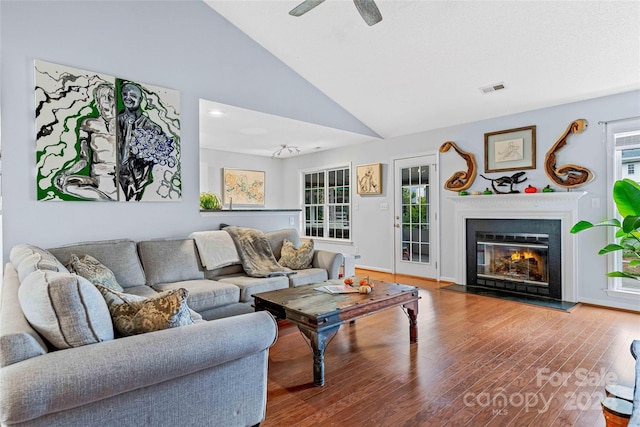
(369, 11)
(304, 7)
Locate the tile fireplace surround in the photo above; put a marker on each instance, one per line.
(561, 206)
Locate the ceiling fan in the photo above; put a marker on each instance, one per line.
(367, 8)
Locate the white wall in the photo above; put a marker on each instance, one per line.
(373, 227)
(216, 160)
(183, 45)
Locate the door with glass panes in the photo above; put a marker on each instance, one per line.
(415, 216)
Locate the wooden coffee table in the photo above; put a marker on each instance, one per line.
(319, 315)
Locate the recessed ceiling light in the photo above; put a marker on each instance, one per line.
(216, 113)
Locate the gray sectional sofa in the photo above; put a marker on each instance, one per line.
(211, 372)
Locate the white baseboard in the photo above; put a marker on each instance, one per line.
(382, 270)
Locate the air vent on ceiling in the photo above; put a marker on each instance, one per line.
(492, 88)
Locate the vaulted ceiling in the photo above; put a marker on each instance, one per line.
(425, 64)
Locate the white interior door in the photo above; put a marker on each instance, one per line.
(415, 216)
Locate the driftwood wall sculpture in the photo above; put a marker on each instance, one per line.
(567, 176)
(460, 180)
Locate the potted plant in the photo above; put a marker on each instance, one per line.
(210, 202)
(626, 195)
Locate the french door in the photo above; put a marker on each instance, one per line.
(415, 215)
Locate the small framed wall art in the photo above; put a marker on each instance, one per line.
(242, 187)
(509, 150)
(369, 178)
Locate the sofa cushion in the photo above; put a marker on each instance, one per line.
(276, 239)
(223, 271)
(170, 260)
(66, 309)
(294, 257)
(308, 276)
(120, 256)
(204, 294)
(134, 314)
(94, 271)
(253, 285)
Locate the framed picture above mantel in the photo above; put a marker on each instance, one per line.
(510, 150)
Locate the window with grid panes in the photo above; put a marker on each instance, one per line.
(624, 138)
(327, 208)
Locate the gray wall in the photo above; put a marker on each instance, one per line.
(373, 227)
(180, 45)
(188, 47)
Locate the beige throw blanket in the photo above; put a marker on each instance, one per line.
(255, 253)
(216, 249)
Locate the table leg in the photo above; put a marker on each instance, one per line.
(412, 313)
(319, 341)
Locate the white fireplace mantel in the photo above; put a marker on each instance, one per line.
(561, 206)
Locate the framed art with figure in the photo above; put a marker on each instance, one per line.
(369, 178)
(509, 150)
(105, 138)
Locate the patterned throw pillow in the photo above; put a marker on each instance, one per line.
(296, 258)
(94, 271)
(133, 314)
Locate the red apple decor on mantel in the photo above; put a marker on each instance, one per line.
(531, 189)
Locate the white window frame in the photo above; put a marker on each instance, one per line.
(612, 130)
(327, 205)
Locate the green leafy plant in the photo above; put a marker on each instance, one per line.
(209, 201)
(626, 195)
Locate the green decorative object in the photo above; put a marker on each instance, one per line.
(487, 191)
(626, 194)
(548, 189)
(210, 202)
(463, 193)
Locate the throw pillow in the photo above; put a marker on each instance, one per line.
(28, 258)
(65, 309)
(94, 271)
(21, 252)
(296, 258)
(133, 314)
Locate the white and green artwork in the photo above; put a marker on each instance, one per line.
(102, 138)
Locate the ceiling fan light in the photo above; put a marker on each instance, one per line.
(292, 149)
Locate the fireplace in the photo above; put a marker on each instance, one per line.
(559, 208)
(515, 255)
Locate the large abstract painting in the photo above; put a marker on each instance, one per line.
(103, 138)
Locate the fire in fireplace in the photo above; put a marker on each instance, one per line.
(515, 255)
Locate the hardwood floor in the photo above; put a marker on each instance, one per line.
(478, 362)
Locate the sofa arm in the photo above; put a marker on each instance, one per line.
(330, 261)
(70, 378)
